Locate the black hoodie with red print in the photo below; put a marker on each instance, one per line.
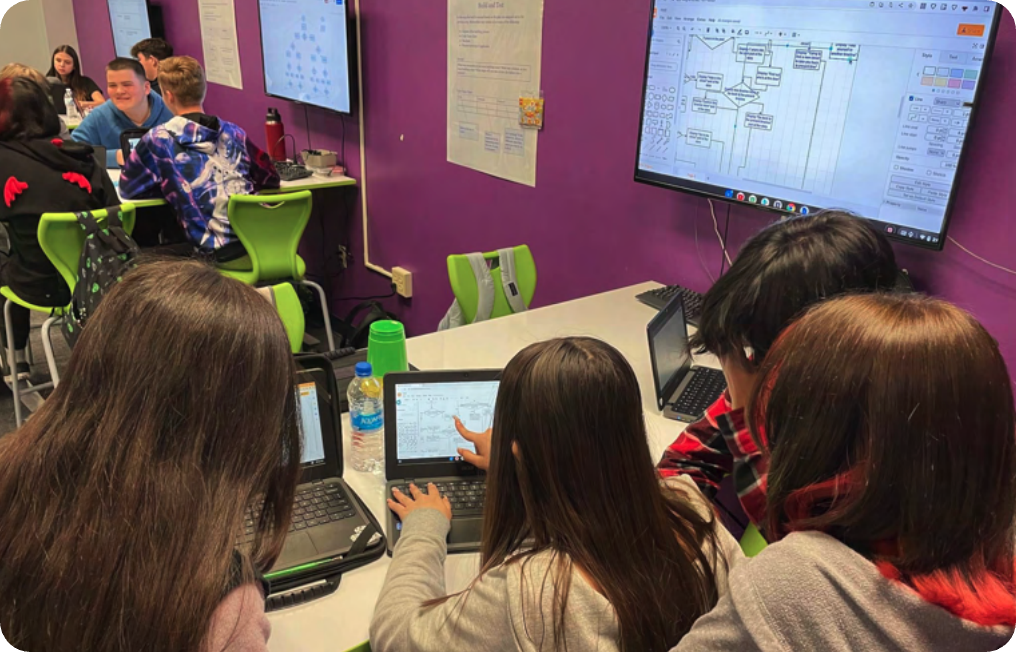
(45, 176)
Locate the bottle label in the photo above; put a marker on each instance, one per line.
(367, 420)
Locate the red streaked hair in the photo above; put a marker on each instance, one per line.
(889, 423)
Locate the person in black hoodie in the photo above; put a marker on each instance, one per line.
(39, 173)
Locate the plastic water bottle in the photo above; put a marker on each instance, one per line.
(72, 107)
(366, 413)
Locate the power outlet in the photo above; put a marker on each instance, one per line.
(403, 280)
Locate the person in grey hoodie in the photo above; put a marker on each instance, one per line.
(889, 423)
(583, 549)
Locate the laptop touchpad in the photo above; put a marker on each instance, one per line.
(466, 530)
(299, 546)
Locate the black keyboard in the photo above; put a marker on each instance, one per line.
(704, 388)
(466, 496)
(314, 504)
(291, 171)
(660, 297)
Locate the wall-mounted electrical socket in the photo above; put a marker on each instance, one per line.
(403, 280)
(343, 256)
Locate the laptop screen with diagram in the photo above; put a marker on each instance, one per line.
(425, 416)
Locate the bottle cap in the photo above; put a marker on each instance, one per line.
(364, 370)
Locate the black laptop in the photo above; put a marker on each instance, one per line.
(421, 443)
(330, 525)
(129, 139)
(683, 391)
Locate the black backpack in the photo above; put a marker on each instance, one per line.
(108, 254)
(355, 332)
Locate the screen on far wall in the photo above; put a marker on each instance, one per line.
(129, 19)
(305, 50)
(796, 105)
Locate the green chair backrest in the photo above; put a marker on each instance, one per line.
(270, 229)
(752, 542)
(62, 239)
(460, 275)
(287, 302)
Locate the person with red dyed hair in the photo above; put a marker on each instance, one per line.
(888, 425)
(39, 173)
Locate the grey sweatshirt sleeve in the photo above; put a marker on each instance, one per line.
(474, 620)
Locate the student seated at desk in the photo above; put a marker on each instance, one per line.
(779, 272)
(21, 70)
(149, 53)
(618, 561)
(39, 173)
(889, 428)
(131, 105)
(196, 161)
(66, 67)
(124, 495)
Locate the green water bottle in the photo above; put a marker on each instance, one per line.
(386, 348)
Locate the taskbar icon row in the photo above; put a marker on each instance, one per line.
(769, 202)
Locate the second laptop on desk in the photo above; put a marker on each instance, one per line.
(421, 443)
(683, 390)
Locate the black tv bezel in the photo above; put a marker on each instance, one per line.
(148, 17)
(350, 59)
(705, 189)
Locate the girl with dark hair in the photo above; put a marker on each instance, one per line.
(66, 67)
(778, 274)
(889, 425)
(39, 173)
(124, 495)
(583, 549)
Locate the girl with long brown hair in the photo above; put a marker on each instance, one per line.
(583, 548)
(123, 496)
(66, 66)
(889, 425)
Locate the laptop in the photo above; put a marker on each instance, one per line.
(421, 443)
(129, 139)
(683, 390)
(330, 525)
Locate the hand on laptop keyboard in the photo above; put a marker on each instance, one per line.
(403, 504)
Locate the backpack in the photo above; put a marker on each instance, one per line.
(108, 253)
(355, 332)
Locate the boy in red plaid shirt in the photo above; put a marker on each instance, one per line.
(779, 272)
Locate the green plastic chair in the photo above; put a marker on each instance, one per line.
(752, 541)
(287, 303)
(362, 647)
(270, 229)
(460, 275)
(62, 239)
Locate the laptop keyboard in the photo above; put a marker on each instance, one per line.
(466, 496)
(314, 504)
(702, 390)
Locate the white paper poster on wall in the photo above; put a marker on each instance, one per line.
(218, 37)
(494, 53)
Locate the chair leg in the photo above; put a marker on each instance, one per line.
(31, 353)
(11, 364)
(324, 311)
(47, 345)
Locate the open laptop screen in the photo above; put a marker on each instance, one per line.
(668, 338)
(425, 418)
(310, 424)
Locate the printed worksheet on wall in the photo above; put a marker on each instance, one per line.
(494, 53)
(218, 38)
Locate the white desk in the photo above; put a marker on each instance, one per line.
(310, 183)
(341, 620)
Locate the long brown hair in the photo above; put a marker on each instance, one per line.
(583, 486)
(75, 80)
(890, 425)
(124, 494)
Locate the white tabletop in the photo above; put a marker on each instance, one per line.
(314, 182)
(341, 620)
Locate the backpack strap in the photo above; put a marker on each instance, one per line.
(512, 294)
(484, 287)
(113, 235)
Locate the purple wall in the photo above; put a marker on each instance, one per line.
(590, 227)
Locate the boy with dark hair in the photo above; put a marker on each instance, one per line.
(196, 162)
(149, 53)
(782, 270)
(131, 105)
